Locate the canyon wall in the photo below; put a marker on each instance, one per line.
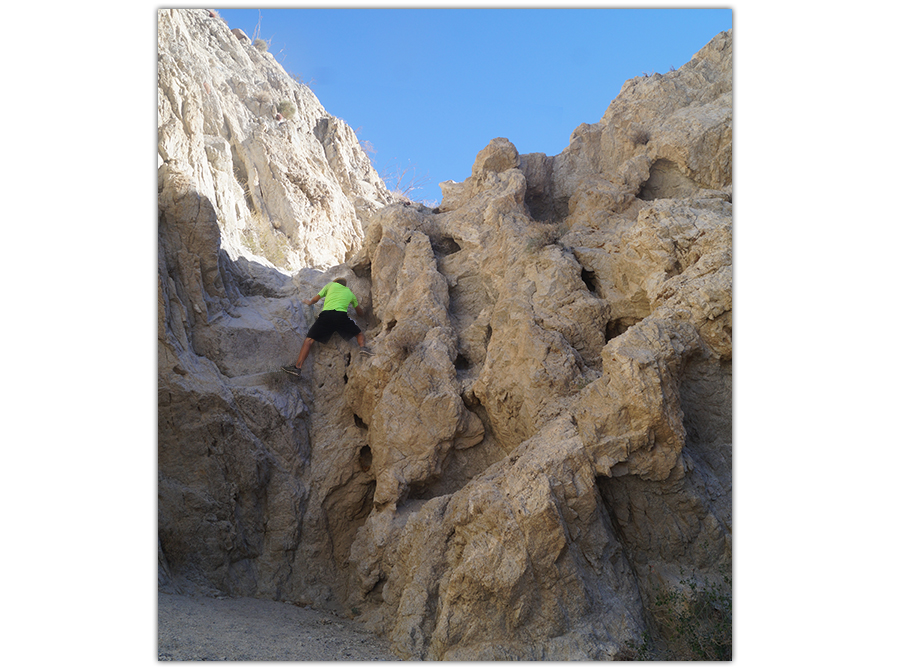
(541, 442)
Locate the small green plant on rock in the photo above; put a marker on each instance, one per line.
(696, 620)
(287, 109)
(642, 652)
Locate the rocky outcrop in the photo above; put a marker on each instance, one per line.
(542, 439)
(291, 185)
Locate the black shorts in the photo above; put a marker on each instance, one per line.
(330, 321)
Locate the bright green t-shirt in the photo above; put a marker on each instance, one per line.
(337, 297)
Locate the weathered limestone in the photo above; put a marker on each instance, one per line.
(292, 192)
(542, 438)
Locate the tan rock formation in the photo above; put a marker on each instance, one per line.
(542, 439)
(290, 191)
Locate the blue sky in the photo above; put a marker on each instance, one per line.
(427, 89)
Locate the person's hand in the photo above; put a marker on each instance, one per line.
(308, 302)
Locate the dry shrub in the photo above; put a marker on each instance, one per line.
(641, 136)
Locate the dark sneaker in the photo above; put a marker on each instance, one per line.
(291, 369)
(365, 351)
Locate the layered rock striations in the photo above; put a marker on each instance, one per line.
(542, 439)
(290, 183)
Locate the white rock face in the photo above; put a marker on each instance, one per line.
(542, 439)
(292, 189)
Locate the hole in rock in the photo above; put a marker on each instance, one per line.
(461, 362)
(542, 208)
(609, 496)
(619, 326)
(363, 270)
(445, 246)
(365, 458)
(358, 421)
(590, 279)
(666, 181)
(424, 490)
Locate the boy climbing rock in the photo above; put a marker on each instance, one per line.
(333, 318)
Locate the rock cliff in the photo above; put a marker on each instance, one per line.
(290, 183)
(541, 443)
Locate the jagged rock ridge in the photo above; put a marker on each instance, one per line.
(542, 440)
(291, 190)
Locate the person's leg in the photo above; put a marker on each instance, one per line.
(348, 329)
(361, 340)
(320, 331)
(304, 352)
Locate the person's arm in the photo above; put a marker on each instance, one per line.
(310, 302)
(359, 310)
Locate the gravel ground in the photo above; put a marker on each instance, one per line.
(207, 628)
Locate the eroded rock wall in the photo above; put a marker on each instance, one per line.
(251, 203)
(542, 439)
(290, 190)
